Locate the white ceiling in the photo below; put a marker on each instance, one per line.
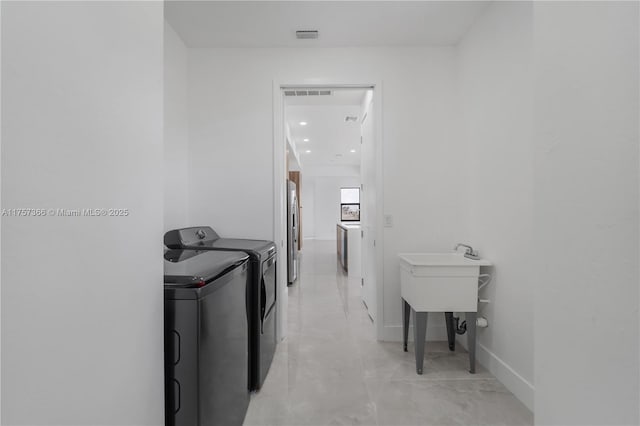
(331, 138)
(340, 23)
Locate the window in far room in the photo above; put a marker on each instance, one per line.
(350, 204)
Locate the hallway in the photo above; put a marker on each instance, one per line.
(330, 370)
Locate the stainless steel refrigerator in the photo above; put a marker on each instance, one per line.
(292, 232)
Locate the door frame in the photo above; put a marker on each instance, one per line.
(280, 191)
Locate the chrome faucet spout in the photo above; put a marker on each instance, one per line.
(469, 248)
(469, 252)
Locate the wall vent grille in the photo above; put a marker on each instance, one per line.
(307, 34)
(304, 92)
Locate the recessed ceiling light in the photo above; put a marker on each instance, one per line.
(303, 123)
(308, 151)
(305, 140)
(353, 150)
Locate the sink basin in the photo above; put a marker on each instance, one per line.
(440, 282)
(441, 259)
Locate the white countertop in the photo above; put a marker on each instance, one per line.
(349, 225)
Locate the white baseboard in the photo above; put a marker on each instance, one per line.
(518, 385)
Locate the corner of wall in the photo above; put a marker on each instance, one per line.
(493, 62)
(176, 130)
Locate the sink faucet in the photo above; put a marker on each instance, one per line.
(469, 252)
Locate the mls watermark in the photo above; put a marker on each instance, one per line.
(57, 212)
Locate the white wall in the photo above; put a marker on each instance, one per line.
(586, 212)
(308, 206)
(325, 192)
(292, 152)
(320, 196)
(231, 131)
(82, 302)
(1, 314)
(495, 90)
(176, 131)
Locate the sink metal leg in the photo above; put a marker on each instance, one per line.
(419, 335)
(406, 313)
(451, 331)
(471, 339)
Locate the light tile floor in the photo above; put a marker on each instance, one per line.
(330, 370)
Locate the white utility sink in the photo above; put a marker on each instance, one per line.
(440, 282)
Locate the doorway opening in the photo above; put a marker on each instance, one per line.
(327, 148)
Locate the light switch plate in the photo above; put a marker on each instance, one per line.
(388, 221)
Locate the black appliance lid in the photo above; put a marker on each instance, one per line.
(240, 244)
(190, 268)
(196, 235)
(204, 237)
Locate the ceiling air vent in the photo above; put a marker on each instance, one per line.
(306, 34)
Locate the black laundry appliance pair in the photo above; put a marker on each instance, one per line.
(259, 310)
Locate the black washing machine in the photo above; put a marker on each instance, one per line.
(206, 337)
(261, 293)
